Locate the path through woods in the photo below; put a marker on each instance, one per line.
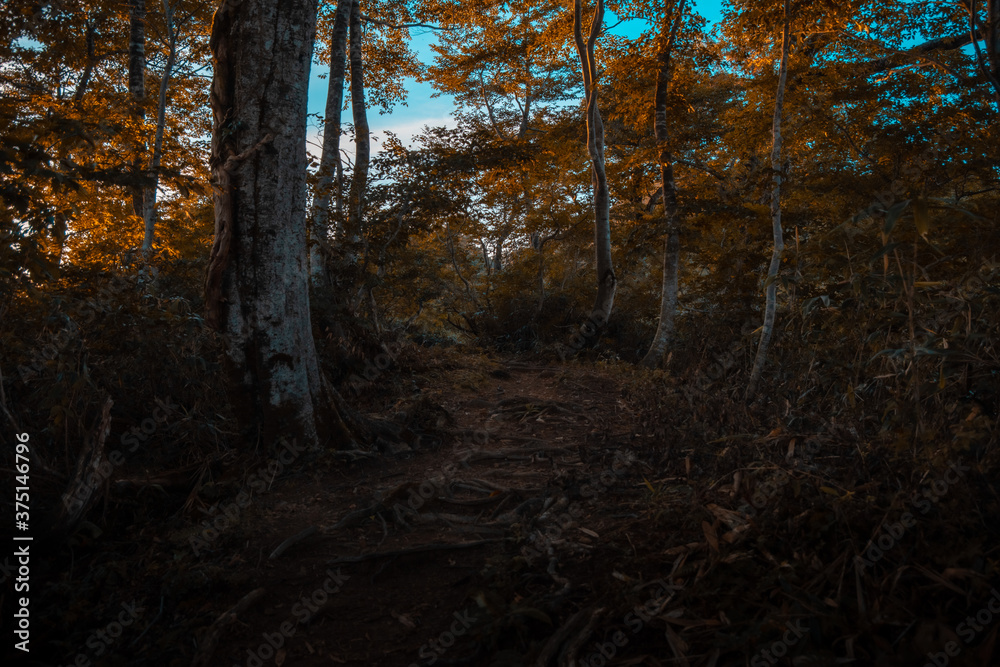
(551, 513)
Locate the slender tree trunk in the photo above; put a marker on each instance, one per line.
(330, 164)
(498, 249)
(486, 258)
(668, 299)
(137, 87)
(149, 196)
(993, 43)
(668, 189)
(362, 140)
(92, 59)
(257, 280)
(607, 282)
(541, 280)
(990, 62)
(771, 303)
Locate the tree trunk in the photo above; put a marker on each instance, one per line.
(330, 164)
(257, 282)
(668, 299)
(362, 141)
(668, 189)
(92, 59)
(771, 303)
(990, 62)
(498, 248)
(606, 280)
(137, 87)
(993, 44)
(149, 196)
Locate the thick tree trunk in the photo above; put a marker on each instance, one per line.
(607, 282)
(362, 140)
(668, 190)
(257, 284)
(137, 87)
(771, 303)
(330, 164)
(149, 196)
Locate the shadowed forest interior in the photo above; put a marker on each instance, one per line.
(676, 344)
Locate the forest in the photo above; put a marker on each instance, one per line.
(677, 344)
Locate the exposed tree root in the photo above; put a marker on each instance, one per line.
(294, 539)
(572, 649)
(551, 648)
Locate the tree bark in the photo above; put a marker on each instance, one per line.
(257, 281)
(771, 303)
(990, 63)
(668, 188)
(330, 164)
(92, 59)
(137, 87)
(362, 140)
(607, 282)
(149, 196)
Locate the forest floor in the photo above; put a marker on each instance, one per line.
(547, 517)
(523, 443)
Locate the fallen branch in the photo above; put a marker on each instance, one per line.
(82, 490)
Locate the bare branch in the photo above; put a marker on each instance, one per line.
(402, 26)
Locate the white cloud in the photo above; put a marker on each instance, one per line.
(405, 130)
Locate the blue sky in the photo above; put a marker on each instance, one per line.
(422, 109)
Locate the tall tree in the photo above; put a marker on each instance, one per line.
(606, 280)
(257, 284)
(149, 196)
(362, 138)
(990, 63)
(137, 86)
(330, 166)
(505, 64)
(672, 18)
(771, 303)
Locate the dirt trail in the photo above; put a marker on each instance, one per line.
(398, 565)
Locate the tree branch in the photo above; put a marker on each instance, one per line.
(402, 26)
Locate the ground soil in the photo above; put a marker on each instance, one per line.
(539, 514)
